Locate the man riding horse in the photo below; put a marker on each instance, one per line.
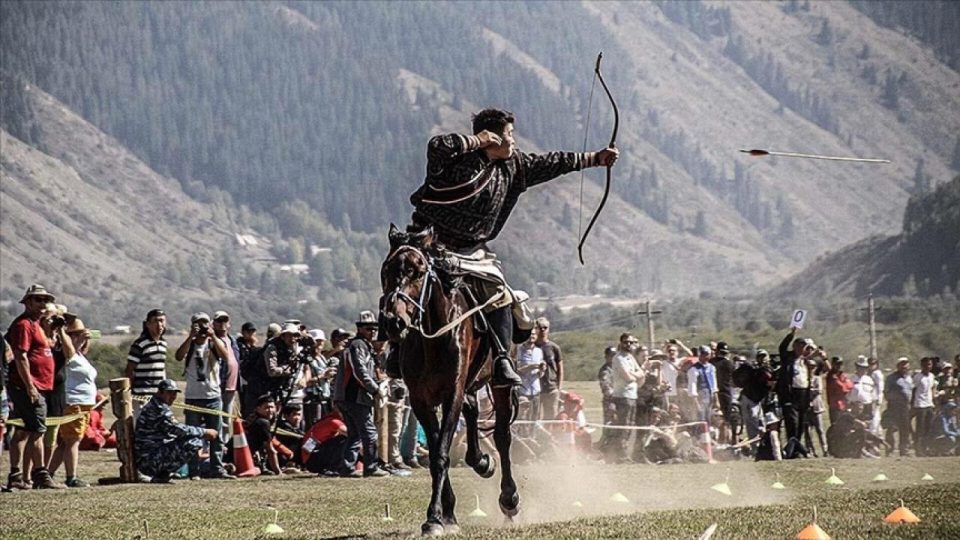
(473, 183)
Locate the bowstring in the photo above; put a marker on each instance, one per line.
(586, 133)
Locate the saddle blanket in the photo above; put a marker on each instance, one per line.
(485, 268)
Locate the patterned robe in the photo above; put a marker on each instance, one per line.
(163, 445)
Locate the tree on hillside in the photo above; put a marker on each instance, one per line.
(825, 37)
(955, 161)
(890, 97)
(921, 181)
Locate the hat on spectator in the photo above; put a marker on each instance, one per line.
(367, 318)
(946, 365)
(762, 352)
(289, 329)
(902, 360)
(38, 291)
(295, 322)
(809, 342)
(273, 330)
(248, 327)
(609, 351)
(656, 354)
(264, 398)
(155, 312)
(168, 385)
(217, 315)
(704, 349)
(862, 362)
(201, 316)
(722, 347)
(317, 334)
(340, 334)
(76, 326)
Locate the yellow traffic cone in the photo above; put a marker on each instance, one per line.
(926, 476)
(834, 480)
(778, 484)
(619, 498)
(723, 487)
(477, 512)
(880, 478)
(577, 504)
(902, 515)
(813, 531)
(273, 528)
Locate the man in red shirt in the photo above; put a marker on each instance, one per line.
(323, 445)
(838, 386)
(31, 381)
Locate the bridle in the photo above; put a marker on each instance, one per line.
(428, 278)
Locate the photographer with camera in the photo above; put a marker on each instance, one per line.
(202, 354)
(270, 370)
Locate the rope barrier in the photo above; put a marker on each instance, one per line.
(52, 421)
(214, 412)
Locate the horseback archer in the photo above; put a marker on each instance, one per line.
(472, 185)
(446, 306)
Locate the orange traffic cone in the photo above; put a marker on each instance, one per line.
(242, 459)
(902, 515)
(813, 531)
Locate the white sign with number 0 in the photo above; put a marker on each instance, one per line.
(799, 316)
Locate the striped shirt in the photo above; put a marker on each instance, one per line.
(150, 358)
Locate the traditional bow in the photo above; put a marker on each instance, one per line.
(613, 144)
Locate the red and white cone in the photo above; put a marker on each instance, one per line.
(242, 458)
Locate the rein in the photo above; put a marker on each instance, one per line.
(430, 276)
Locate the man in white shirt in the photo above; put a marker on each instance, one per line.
(924, 389)
(877, 375)
(626, 375)
(864, 391)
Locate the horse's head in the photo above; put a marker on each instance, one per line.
(404, 277)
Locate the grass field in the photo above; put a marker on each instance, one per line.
(665, 502)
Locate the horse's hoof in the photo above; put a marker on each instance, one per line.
(431, 529)
(487, 467)
(510, 507)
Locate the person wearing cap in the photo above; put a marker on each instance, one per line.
(80, 397)
(702, 384)
(163, 445)
(202, 355)
(354, 389)
(758, 381)
(863, 392)
(318, 372)
(945, 438)
(793, 384)
(726, 391)
(898, 390)
(605, 380)
(274, 367)
(147, 359)
(924, 390)
(31, 381)
(246, 342)
(229, 370)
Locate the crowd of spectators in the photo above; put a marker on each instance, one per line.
(337, 408)
(771, 406)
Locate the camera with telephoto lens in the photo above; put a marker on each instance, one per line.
(203, 328)
(57, 321)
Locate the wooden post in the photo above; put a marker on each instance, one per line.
(123, 410)
(873, 327)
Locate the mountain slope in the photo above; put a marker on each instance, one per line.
(317, 113)
(923, 260)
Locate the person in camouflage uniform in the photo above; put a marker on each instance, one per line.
(163, 445)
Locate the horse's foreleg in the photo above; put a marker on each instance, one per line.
(503, 405)
(481, 463)
(427, 416)
(448, 426)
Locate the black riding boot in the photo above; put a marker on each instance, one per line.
(500, 322)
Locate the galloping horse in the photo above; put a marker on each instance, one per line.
(444, 361)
